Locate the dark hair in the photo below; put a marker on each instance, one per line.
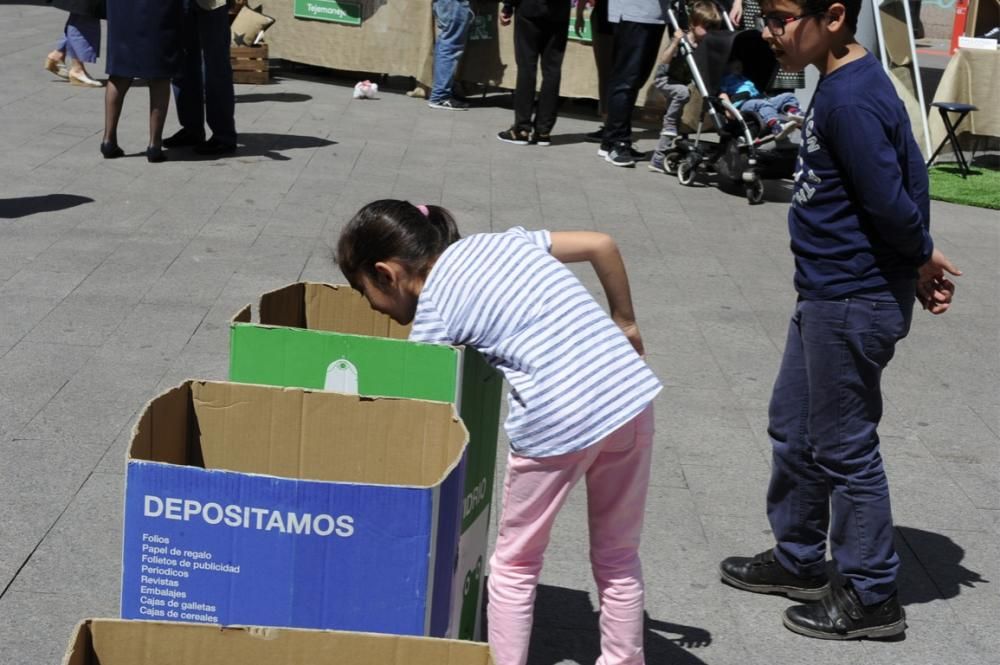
(393, 229)
(852, 9)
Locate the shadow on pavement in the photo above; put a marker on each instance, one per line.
(566, 629)
(257, 144)
(22, 206)
(940, 557)
(286, 97)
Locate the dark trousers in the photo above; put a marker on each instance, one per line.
(538, 39)
(636, 46)
(826, 475)
(204, 90)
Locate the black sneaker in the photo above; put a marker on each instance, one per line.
(452, 104)
(214, 147)
(840, 616)
(763, 574)
(620, 154)
(595, 137)
(183, 138)
(606, 148)
(541, 139)
(515, 136)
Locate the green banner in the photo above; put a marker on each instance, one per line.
(335, 11)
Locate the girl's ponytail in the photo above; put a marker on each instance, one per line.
(394, 229)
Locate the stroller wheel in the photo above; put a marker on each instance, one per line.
(755, 192)
(670, 162)
(685, 172)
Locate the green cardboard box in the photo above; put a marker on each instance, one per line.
(312, 335)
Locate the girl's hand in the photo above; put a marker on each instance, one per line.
(631, 330)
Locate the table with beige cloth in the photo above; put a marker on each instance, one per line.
(972, 77)
(397, 37)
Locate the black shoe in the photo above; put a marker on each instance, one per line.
(515, 136)
(155, 155)
(453, 104)
(763, 574)
(111, 151)
(541, 139)
(214, 146)
(840, 616)
(595, 137)
(620, 154)
(183, 138)
(633, 153)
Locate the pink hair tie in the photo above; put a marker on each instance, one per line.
(423, 210)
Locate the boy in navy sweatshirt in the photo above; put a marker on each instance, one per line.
(859, 225)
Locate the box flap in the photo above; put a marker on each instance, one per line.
(164, 432)
(120, 642)
(284, 307)
(305, 434)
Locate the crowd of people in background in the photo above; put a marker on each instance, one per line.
(183, 42)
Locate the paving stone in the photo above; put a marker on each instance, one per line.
(105, 303)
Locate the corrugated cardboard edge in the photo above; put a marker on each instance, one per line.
(188, 382)
(80, 649)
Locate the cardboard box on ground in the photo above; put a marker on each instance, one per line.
(117, 642)
(325, 336)
(260, 505)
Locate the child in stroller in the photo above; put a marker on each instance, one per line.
(738, 156)
(744, 95)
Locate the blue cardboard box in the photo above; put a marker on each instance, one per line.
(258, 505)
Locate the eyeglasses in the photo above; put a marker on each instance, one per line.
(776, 24)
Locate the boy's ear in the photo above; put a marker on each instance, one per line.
(836, 17)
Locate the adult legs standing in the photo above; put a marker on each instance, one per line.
(635, 49)
(552, 53)
(453, 19)
(538, 41)
(529, 37)
(204, 89)
(114, 99)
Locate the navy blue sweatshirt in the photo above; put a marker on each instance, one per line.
(861, 210)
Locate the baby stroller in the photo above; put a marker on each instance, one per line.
(741, 154)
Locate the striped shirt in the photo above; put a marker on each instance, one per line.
(574, 377)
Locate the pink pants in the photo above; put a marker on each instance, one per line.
(535, 489)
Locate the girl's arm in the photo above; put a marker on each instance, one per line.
(602, 252)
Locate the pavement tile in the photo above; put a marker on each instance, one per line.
(109, 301)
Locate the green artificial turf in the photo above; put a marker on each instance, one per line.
(980, 189)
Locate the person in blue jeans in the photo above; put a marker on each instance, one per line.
(453, 19)
(745, 96)
(204, 89)
(859, 225)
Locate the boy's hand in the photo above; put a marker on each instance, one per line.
(631, 330)
(934, 290)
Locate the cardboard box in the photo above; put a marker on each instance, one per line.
(258, 505)
(326, 336)
(117, 642)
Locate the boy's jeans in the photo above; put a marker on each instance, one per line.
(453, 19)
(826, 472)
(768, 108)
